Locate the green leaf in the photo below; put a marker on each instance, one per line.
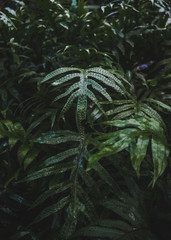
(138, 152)
(58, 72)
(65, 78)
(60, 168)
(160, 154)
(54, 138)
(31, 155)
(100, 89)
(159, 103)
(60, 157)
(150, 112)
(69, 102)
(68, 91)
(58, 188)
(120, 109)
(107, 81)
(116, 224)
(22, 151)
(106, 177)
(91, 96)
(100, 232)
(52, 209)
(108, 151)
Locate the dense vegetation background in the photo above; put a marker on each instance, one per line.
(85, 120)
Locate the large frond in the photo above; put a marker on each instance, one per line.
(80, 81)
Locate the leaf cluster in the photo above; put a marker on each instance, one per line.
(85, 120)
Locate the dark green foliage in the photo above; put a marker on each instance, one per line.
(85, 120)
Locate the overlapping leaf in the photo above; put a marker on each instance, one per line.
(136, 134)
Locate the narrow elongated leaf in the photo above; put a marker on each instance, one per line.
(60, 168)
(53, 141)
(100, 232)
(106, 74)
(124, 115)
(31, 155)
(69, 102)
(51, 192)
(117, 102)
(66, 78)
(138, 152)
(52, 209)
(159, 103)
(107, 151)
(120, 109)
(150, 112)
(37, 122)
(160, 154)
(116, 224)
(100, 89)
(127, 210)
(58, 72)
(94, 99)
(68, 91)
(22, 151)
(106, 81)
(123, 123)
(60, 157)
(106, 177)
(89, 181)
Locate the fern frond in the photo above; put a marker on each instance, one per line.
(66, 78)
(107, 82)
(69, 102)
(91, 96)
(81, 109)
(106, 74)
(68, 91)
(57, 72)
(100, 89)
